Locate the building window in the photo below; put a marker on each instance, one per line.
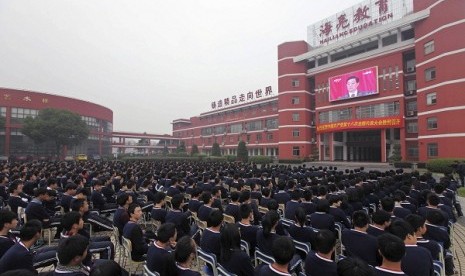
(432, 149)
(295, 151)
(236, 128)
(412, 106)
(248, 138)
(431, 98)
(412, 127)
(429, 47)
(295, 83)
(412, 152)
(295, 117)
(432, 123)
(271, 123)
(295, 100)
(430, 73)
(2, 111)
(259, 136)
(269, 136)
(296, 132)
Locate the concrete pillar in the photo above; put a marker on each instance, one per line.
(383, 145)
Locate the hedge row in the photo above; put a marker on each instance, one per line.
(441, 165)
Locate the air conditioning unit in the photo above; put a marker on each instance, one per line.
(225, 133)
(313, 140)
(244, 131)
(265, 129)
(256, 142)
(410, 69)
(203, 145)
(411, 113)
(312, 123)
(410, 92)
(222, 143)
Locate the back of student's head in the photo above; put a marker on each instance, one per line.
(6, 216)
(77, 204)
(235, 196)
(206, 197)
(360, 219)
(296, 195)
(433, 199)
(266, 192)
(391, 247)
(30, 229)
(272, 205)
(166, 231)
(159, 197)
(122, 199)
(14, 185)
(215, 218)
(387, 204)
(196, 192)
(300, 216)
(71, 247)
(353, 267)
(415, 221)
(185, 246)
(230, 238)
(177, 200)
(132, 208)
(245, 196)
(245, 210)
(322, 206)
(325, 241)
(380, 217)
(106, 268)
(435, 217)
(270, 219)
(283, 250)
(40, 191)
(308, 194)
(69, 219)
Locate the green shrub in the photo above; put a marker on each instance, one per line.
(461, 191)
(230, 158)
(408, 165)
(441, 165)
(291, 161)
(261, 159)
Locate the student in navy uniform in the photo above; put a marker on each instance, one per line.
(159, 212)
(282, 196)
(354, 267)
(67, 197)
(381, 220)
(159, 258)
(435, 229)
(71, 252)
(266, 192)
(292, 205)
(134, 233)
(8, 221)
(417, 261)
(321, 219)
(82, 206)
(15, 200)
(210, 241)
(283, 251)
(121, 216)
(194, 202)
(357, 242)
(335, 210)
(206, 208)
(248, 230)
(184, 256)
(232, 257)
(299, 231)
(267, 234)
(418, 224)
(245, 198)
(178, 217)
(216, 195)
(399, 211)
(232, 209)
(392, 250)
(35, 210)
(174, 188)
(433, 205)
(307, 202)
(98, 199)
(319, 262)
(20, 256)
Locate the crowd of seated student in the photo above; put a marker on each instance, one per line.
(315, 198)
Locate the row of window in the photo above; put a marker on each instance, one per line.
(361, 112)
(239, 127)
(232, 139)
(431, 151)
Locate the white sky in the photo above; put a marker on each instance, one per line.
(150, 61)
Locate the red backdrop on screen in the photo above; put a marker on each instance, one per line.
(368, 84)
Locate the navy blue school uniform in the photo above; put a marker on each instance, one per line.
(65, 202)
(268, 270)
(302, 233)
(210, 242)
(309, 207)
(249, 234)
(432, 246)
(375, 231)
(437, 233)
(401, 212)
(133, 232)
(17, 257)
(362, 245)
(181, 220)
(339, 216)
(257, 217)
(217, 204)
(194, 205)
(320, 220)
(172, 190)
(282, 197)
(417, 261)
(120, 218)
(289, 210)
(158, 214)
(264, 201)
(109, 193)
(15, 202)
(97, 200)
(409, 206)
(265, 243)
(159, 259)
(65, 271)
(450, 213)
(238, 263)
(183, 271)
(423, 211)
(385, 272)
(6, 242)
(204, 212)
(233, 210)
(316, 265)
(35, 210)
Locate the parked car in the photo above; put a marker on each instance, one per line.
(81, 157)
(69, 158)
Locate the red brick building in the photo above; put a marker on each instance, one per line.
(16, 105)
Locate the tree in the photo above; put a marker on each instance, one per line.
(396, 155)
(181, 148)
(242, 153)
(195, 149)
(62, 127)
(216, 151)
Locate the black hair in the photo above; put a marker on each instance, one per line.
(6, 216)
(235, 196)
(387, 204)
(245, 195)
(215, 218)
(184, 248)
(106, 268)
(196, 192)
(415, 221)
(322, 206)
(300, 216)
(77, 203)
(272, 205)
(334, 199)
(380, 217)
(122, 199)
(230, 239)
(353, 267)
(166, 231)
(245, 210)
(357, 80)
(71, 247)
(283, 250)
(132, 208)
(360, 219)
(159, 196)
(435, 217)
(30, 229)
(325, 241)
(177, 200)
(69, 219)
(296, 195)
(266, 192)
(433, 199)
(401, 229)
(391, 247)
(308, 194)
(14, 185)
(70, 186)
(206, 197)
(270, 219)
(40, 191)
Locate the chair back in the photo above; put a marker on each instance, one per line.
(301, 246)
(147, 272)
(223, 271)
(262, 257)
(229, 219)
(245, 246)
(208, 258)
(127, 246)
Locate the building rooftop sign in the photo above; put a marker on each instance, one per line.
(356, 19)
(242, 98)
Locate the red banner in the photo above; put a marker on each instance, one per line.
(361, 124)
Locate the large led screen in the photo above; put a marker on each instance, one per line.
(354, 84)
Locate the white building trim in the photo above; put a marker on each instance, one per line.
(448, 135)
(360, 102)
(440, 84)
(295, 109)
(453, 108)
(441, 28)
(441, 56)
(292, 126)
(292, 75)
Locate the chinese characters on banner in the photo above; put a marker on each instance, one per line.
(242, 98)
(368, 123)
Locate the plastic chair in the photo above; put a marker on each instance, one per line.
(229, 219)
(223, 271)
(261, 256)
(301, 246)
(262, 210)
(245, 246)
(208, 258)
(438, 268)
(147, 272)
(127, 249)
(287, 222)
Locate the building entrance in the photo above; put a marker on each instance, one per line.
(364, 146)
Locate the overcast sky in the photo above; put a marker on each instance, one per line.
(150, 61)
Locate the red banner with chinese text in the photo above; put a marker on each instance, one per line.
(368, 123)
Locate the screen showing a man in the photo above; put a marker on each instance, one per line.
(354, 84)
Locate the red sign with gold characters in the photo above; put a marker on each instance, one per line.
(387, 122)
